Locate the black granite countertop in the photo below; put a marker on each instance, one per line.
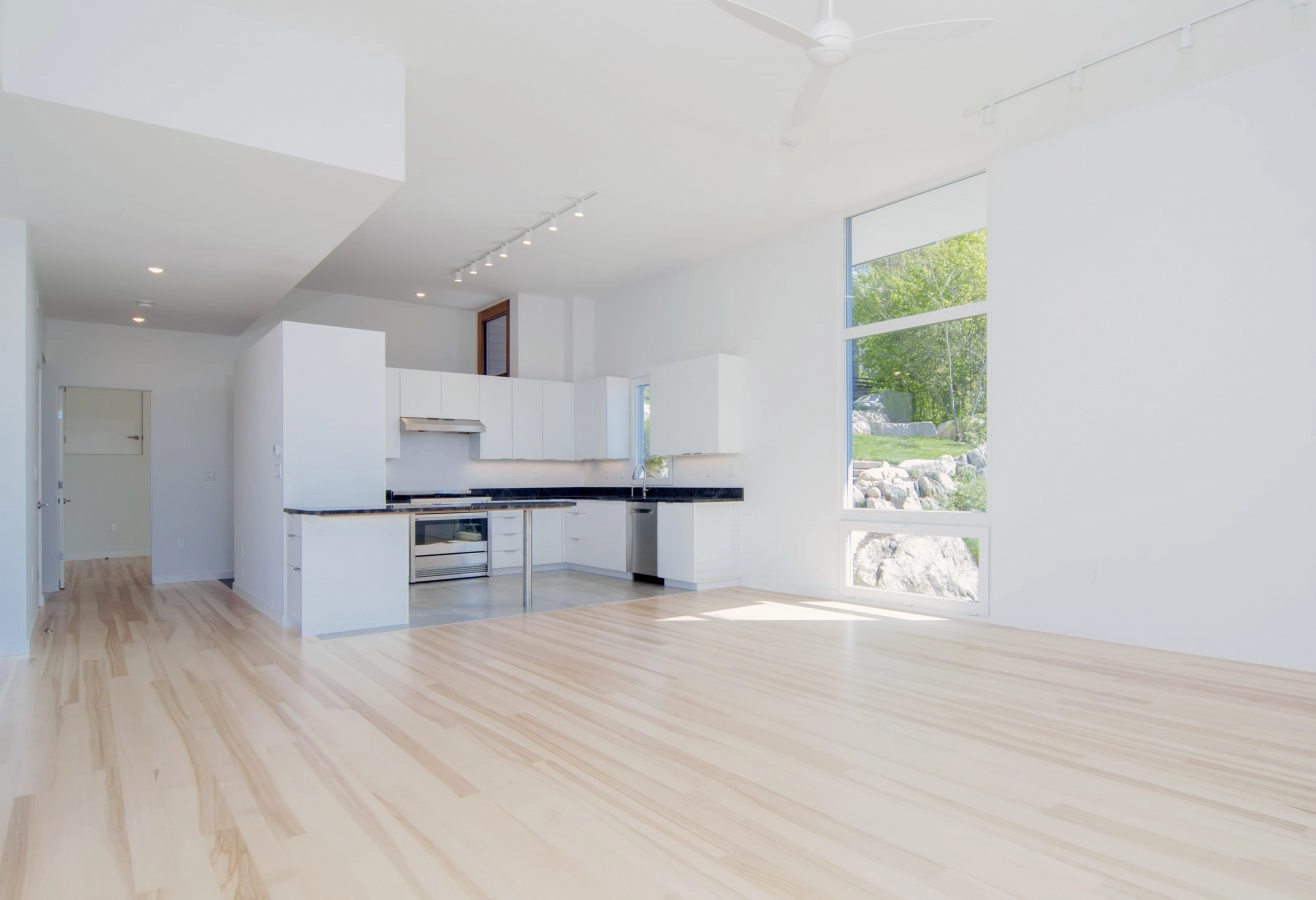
(662, 494)
(409, 508)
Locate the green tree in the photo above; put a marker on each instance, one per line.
(944, 366)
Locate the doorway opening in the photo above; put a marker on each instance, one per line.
(104, 485)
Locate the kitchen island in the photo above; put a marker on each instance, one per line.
(347, 568)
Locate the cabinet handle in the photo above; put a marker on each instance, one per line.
(295, 568)
(575, 539)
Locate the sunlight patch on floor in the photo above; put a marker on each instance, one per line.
(807, 611)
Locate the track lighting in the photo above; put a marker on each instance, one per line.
(1297, 4)
(552, 221)
(1184, 39)
(457, 276)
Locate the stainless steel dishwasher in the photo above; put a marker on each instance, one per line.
(642, 539)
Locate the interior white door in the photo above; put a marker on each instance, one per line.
(106, 502)
(103, 422)
(59, 486)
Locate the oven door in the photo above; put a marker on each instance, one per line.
(451, 545)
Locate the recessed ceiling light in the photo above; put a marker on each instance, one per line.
(420, 294)
(155, 270)
(138, 319)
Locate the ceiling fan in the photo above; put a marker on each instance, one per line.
(831, 42)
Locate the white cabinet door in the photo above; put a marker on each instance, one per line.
(602, 418)
(527, 418)
(548, 536)
(559, 422)
(596, 534)
(496, 414)
(699, 543)
(461, 395)
(421, 393)
(392, 412)
(697, 406)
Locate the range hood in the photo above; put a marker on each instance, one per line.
(442, 426)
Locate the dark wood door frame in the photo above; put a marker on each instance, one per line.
(488, 314)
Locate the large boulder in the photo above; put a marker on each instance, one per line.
(916, 564)
(859, 423)
(886, 406)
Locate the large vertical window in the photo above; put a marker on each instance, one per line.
(644, 465)
(493, 339)
(915, 341)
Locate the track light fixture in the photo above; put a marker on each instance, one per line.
(457, 276)
(526, 236)
(1185, 40)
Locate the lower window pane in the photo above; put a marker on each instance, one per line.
(918, 418)
(939, 566)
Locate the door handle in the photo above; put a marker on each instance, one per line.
(65, 500)
(41, 504)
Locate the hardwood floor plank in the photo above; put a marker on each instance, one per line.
(734, 743)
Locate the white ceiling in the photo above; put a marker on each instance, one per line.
(672, 110)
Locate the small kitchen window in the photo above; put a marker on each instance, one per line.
(494, 339)
(643, 465)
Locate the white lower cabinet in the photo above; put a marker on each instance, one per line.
(596, 535)
(506, 548)
(699, 544)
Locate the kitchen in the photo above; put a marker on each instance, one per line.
(356, 553)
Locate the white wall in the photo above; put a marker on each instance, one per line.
(258, 524)
(110, 516)
(20, 537)
(778, 305)
(439, 461)
(1153, 288)
(418, 336)
(1154, 285)
(541, 337)
(190, 377)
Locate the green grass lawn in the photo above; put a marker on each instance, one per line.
(876, 448)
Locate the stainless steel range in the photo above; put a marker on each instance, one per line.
(446, 545)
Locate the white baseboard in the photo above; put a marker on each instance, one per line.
(16, 648)
(593, 571)
(702, 585)
(112, 554)
(180, 579)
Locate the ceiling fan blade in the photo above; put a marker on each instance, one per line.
(806, 102)
(917, 35)
(766, 23)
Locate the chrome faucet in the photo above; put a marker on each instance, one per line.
(638, 474)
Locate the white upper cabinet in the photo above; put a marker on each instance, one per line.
(495, 395)
(697, 406)
(392, 412)
(602, 417)
(527, 418)
(461, 396)
(421, 394)
(559, 423)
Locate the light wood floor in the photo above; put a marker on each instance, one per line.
(172, 743)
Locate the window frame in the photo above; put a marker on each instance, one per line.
(950, 523)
